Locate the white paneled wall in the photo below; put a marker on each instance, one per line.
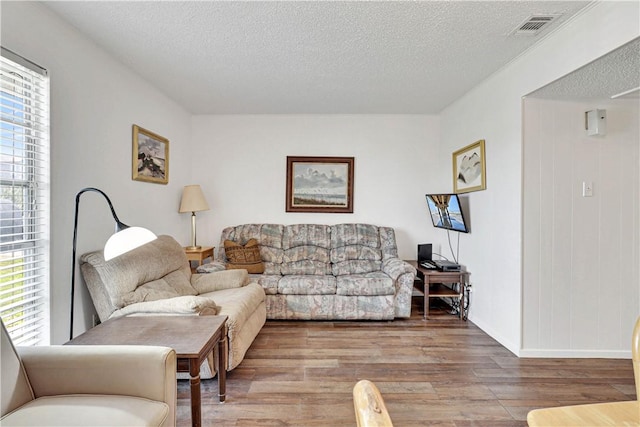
(581, 286)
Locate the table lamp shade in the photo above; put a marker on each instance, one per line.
(193, 200)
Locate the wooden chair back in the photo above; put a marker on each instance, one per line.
(369, 406)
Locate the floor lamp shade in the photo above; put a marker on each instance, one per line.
(127, 240)
(193, 201)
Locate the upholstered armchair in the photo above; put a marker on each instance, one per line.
(87, 385)
(156, 279)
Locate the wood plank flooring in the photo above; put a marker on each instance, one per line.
(442, 373)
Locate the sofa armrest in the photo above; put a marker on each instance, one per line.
(141, 371)
(395, 267)
(219, 280)
(188, 304)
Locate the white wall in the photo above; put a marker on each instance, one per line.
(94, 102)
(241, 165)
(581, 289)
(493, 111)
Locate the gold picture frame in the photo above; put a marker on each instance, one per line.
(319, 184)
(150, 156)
(469, 168)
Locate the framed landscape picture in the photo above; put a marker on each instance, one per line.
(469, 168)
(320, 184)
(150, 156)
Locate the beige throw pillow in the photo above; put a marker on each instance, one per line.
(246, 257)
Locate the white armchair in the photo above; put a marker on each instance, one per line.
(87, 385)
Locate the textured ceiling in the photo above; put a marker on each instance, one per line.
(614, 73)
(267, 57)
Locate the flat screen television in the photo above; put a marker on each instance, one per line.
(446, 212)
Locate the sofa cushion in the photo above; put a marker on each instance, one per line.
(370, 284)
(346, 253)
(355, 266)
(269, 282)
(307, 285)
(355, 234)
(355, 249)
(306, 235)
(156, 270)
(306, 249)
(305, 267)
(306, 252)
(245, 256)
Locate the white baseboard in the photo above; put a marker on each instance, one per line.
(513, 348)
(575, 354)
(551, 353)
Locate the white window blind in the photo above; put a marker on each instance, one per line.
(24, 199)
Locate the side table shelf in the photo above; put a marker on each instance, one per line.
(434, 286)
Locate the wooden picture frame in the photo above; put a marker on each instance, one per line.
(150, 156)
(320, 184)
(469, 168)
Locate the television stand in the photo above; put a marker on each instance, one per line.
(434, 285)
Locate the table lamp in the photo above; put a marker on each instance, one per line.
(193, 201)
(123, 240)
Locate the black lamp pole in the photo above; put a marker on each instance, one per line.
(119, 227)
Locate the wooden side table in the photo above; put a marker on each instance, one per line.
(434, 286)
(199, 255)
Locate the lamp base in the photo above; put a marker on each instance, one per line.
(193, 248)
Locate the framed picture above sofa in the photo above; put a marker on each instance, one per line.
(319, 184)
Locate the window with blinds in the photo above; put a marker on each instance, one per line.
(24, 199)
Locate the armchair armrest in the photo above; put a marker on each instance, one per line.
(141, 371)
(219, 280)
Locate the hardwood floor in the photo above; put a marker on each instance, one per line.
(443, 373)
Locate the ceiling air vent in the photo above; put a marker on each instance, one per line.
(534, 24)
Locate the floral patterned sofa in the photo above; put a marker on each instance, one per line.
(322, 272)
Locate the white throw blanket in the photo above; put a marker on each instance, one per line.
(189, 304)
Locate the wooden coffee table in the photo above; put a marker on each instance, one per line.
(192, 338)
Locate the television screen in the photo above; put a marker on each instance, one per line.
(446, 212)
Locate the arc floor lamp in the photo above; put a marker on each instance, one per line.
(123, 240)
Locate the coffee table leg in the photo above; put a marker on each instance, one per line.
(222, 369)
(194, 372)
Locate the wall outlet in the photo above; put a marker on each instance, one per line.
(587, 189)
